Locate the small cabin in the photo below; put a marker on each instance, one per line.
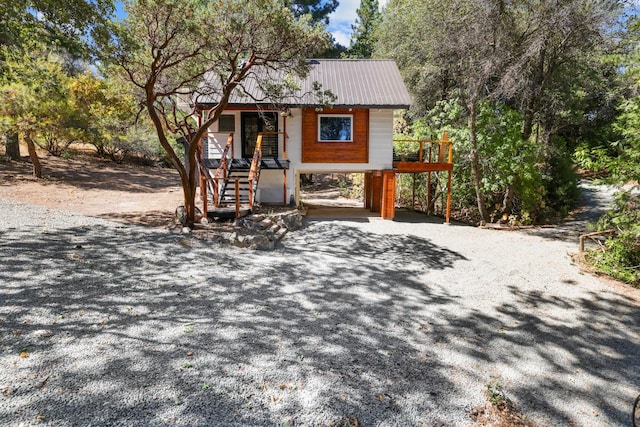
(256, 152)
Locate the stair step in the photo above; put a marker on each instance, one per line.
(274, 228)
(280, 233)
(265, 223)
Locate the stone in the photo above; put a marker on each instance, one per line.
(181, 215)
(264, 224)
(229, 236)
(291, 221)
(261, 243)
(257, 218)
(278, 235)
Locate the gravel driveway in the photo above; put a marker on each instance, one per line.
(399, 323)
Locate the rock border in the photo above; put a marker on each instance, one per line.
(256, 231)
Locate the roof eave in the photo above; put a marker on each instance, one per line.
(294, 105)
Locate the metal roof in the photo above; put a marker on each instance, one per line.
(359, 83)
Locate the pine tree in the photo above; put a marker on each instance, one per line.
(363, 38)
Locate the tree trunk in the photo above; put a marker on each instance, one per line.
(507, 201)
(535, 94)
(12, 146)
(33, 155)
(475, 163)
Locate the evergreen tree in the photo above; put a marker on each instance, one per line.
(318, 9)
(363, 38)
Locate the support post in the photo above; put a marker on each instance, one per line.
(297, 190)
(237, 198)
(413, 191)
(376, 191)
(250, 194)
(448, 212)
(368, 180)
(284, 187)
(429, 211)
(216, 197)
(388, 194)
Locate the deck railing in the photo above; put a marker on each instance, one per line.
(424, 150)
(256, 162)
(223, 170)
(428, 156)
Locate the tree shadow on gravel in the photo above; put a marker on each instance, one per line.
(125, 325)
(579, 369)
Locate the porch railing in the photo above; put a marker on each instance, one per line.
(424, 150)
(254, 171)
(223, 169)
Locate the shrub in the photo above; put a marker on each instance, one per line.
(620, 256)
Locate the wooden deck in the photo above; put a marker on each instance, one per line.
(423, 156)
(419, 167)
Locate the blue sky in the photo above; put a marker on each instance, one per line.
(339, 21)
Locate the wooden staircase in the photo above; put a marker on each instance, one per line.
(231, 184)
(234, 184)
(247, 185)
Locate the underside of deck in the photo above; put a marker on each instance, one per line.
(418, 167)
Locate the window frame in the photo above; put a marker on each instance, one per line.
(352, 122)
(220, 122)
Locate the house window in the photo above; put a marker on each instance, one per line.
(227, 123)
(335, 127)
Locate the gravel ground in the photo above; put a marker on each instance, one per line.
(399, 323)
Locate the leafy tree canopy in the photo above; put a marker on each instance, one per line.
(318, 9)
(69, 24)
(168, 51)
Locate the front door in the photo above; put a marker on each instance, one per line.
(254, 123)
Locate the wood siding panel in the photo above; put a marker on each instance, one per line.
(356, 151)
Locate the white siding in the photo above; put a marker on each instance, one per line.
(381, 139)
(236, 136)
(215, 145)
(270, 186)
(294, 149)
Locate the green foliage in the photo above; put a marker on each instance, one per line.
(620, 256)
(546, 188)
(542, 60)
(496, 394)
(625, 165)
(505, 158)
(560, 178)
(34, 96)
(319, 10)
(69, 24)
(110, 118)
(363, 38)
